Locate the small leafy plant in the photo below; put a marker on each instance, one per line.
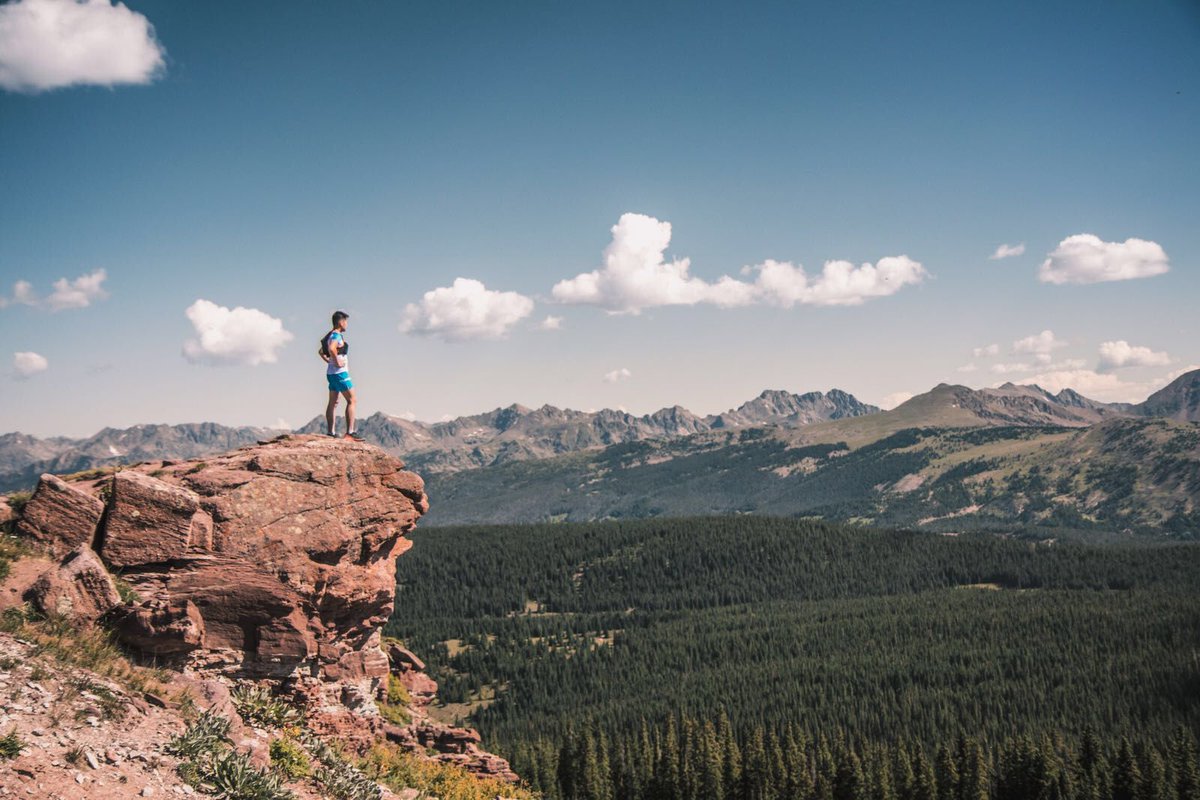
(10, 745)
(256, 705)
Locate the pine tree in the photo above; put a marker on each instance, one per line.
(689, 762)
(946, 772)
(1154, 777)
(1126, 775)
(667, 774)
(1183, 759)
(902, 772)
(755, 772)
(880, 775)
(848, 782)
(731, 756)
(712, 775)
(924, 784)
(1092, 771)
(569, 766)
(974, 777)
(825, 770)
(799, 784)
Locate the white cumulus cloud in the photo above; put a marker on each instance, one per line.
(839, 284)
(550, 323)
(621, 374)
(637, 275)
(26, 364)
(1008, 251)
(1084, 258)
(1114, 355)
(240, 335)
(78, 293)
(465, 310)
(1103, 386)
(50, 44)
(1041, 343)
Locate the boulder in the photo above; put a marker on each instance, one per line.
(162, 627)
(78, 587)
(149, 521)
(422, 687)
(402, 659)
(6, 512)
(60, 517)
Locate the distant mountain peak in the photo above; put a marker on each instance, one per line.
(1179, 399)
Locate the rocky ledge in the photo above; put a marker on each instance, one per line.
(274, 563)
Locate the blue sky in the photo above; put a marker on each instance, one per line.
(297, 158)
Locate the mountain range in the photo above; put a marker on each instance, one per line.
(780, 453)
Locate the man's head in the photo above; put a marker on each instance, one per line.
(339, 320)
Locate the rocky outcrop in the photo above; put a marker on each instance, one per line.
(273, 560)
(274, 563)
(60, 516)
(79, 587)
(452, 745)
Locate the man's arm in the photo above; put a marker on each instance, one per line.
(335, 356)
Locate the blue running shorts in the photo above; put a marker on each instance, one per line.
(340, 382)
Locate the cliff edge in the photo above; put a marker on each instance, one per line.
(271, 566)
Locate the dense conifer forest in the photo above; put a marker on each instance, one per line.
(750, 657)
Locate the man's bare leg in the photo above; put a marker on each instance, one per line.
(349, 395)
(331, 412)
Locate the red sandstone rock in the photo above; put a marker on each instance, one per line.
(162, 627)
(60, 516)
(422, 687)
(79, 587)
(273, 561)
(149, 521)
(401, 658)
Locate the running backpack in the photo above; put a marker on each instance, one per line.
(323, 349)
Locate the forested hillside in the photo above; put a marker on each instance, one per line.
(1123, 474)
(630, 659)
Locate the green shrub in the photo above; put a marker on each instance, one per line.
(10, 745)
(337, 777)
(207, 734)
(289, 758)
(232, 776)
(395, 708)
(17, 501)
(257, 705)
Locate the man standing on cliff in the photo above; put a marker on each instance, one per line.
(335, 352)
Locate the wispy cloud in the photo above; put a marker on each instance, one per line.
(616, 375)
(1007, 251)
(79, 292)
(50, 44)
(637, 275)
(986, 350)
(242, 336)
(894, 399)
(465, 310)
(1085, 258)
(550, 323)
